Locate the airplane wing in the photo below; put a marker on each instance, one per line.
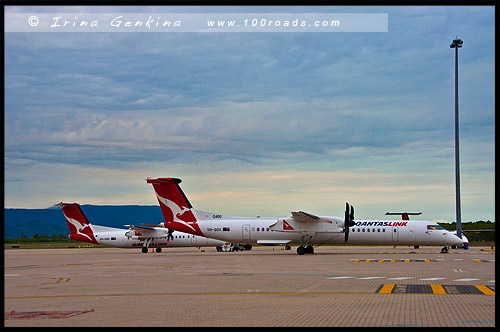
(140, 228)
(144, 231)
(302, 216)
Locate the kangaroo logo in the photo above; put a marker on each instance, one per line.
(287, 227)
(81, 229)
(182, 215)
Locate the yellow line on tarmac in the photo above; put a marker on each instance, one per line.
(438, 289)
(184, 294)
(485, 290)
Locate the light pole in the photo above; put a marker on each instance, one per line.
(456, 44)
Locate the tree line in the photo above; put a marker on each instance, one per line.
(40, 238)
(485, 228)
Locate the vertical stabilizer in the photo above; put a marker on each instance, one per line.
(178, 212)
(78, 224)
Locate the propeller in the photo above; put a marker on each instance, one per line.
(348, 220)
(169, 235)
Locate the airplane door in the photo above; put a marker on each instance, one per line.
(245, 232)
(395, 234)
(411, 233)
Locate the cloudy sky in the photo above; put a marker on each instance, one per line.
(255, 123)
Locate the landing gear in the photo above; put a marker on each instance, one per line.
(146, 245)
(303, 241)
(444, 250)
(287, 247)
(158, 249)
(305, 250)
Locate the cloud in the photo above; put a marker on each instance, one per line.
(367, 117)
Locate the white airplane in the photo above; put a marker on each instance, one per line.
(144, 236)
(301, 228)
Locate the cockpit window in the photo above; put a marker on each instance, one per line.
(434, 227)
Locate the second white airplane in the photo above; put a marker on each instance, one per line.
(301, 228)
(143, 236)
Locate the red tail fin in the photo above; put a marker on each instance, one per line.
(78, 224)
(178, 212)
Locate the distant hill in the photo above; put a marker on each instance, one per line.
(50, 221)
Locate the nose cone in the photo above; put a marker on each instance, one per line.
(455, 240)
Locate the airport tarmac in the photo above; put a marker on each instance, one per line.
(337, 286)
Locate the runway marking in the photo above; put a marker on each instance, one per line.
(340, 278)
(485, 290)
(466, 279)
(60, 279)
(438, 289)
(404, 260)
(386, 289)
(14, 315)
(435, 289)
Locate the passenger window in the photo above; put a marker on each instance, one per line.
(267, 229)
(363, 230)
(383, 230)
(378, 230)
(257, 229)
(373, 230)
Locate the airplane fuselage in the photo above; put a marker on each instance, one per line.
(260, 230)
(115, 237)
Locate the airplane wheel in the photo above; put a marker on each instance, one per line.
(444, 250)
(158, 249)
(288, 247)
(144, 250)
(301, 250)
(309, 249)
